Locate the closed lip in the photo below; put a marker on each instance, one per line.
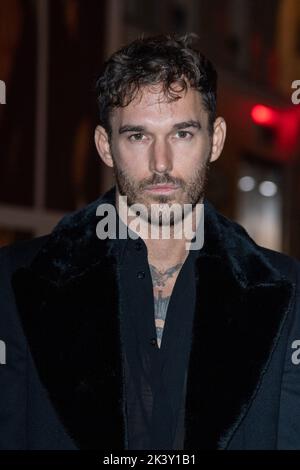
(162, 187)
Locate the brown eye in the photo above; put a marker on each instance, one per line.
(184, 134)
(136, 137)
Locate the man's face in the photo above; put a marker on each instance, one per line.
(161, 150)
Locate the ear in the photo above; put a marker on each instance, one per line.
(103, 146)
(218, 139)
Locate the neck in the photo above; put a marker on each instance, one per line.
(165, 252)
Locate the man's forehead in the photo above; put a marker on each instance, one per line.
(153, 99)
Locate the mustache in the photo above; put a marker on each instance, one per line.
(161, 179)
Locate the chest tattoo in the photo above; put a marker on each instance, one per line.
(160, 278)
(160, 312)
(163, 281)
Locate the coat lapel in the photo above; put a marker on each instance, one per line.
(69, 304)
(242, 303)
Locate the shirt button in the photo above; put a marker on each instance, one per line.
(138, 245)
(140, 275)
(153, 341)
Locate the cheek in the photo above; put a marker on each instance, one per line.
(189, 157)
(134, 150)
(131, 158)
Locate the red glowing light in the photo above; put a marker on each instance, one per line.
(264, 115)
(285, 124)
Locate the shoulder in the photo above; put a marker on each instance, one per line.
(244, 244)
(252, 262)
(20, 253)
(289, 270)
(288, 266)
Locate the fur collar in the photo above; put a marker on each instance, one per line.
(69, 304)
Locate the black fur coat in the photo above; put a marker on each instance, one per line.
(64, 358)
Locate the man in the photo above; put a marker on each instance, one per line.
(142, 342)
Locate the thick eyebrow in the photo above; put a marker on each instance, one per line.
(185, 124)
(131, 129)
(178, 126)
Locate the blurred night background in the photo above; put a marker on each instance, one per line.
(50, 55)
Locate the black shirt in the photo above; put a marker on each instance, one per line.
(155, 378)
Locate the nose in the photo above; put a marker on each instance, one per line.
(161, 157)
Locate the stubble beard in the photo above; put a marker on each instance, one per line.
(193, 192)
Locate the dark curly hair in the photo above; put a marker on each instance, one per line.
(162, 59)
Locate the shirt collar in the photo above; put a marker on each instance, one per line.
(119, 245)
